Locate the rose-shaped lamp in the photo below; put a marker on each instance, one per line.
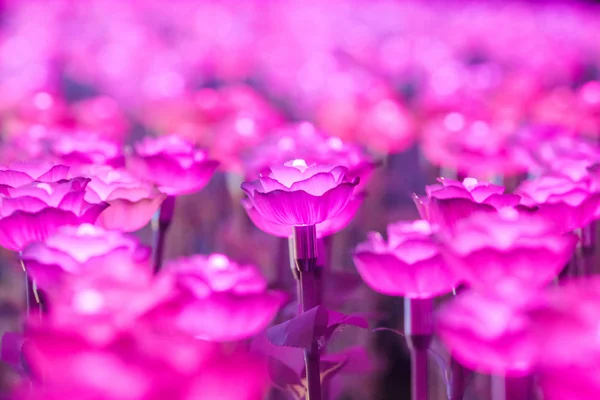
(82, 148)
(31, 210)
(572, 204)
(489, 332)
(86, 249)
(508, 248)
(302, 196)
(176, 167)
(409, 264)
(222, 300)
(565, 322)
(132, 201)
(450, 201)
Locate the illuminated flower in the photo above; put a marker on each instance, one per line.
(508, 248)
(83, 148)
(303, 141)
(298, 194)
(450, 201)
(223, 301)
(489, 333)
(571, 204)
(173, 165)
(325, 228)
(132, 202)
(407, 264)
(34, 211)
(86, 249)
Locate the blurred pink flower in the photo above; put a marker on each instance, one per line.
(101, 115)
(508, 248)
(100, 307)
(546, 149)
(132, 201)
(33, 211)
(86, 249)
(221, 300)
(135, 366)
(325, 228)
(571, 204)
(299, 194)
(565, 324)
(231, 376)
(79, 148)
(471, 146)
(407, 264)
(489, 333)
(175, 166)
(449, 201)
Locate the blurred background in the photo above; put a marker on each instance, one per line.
(423, 88)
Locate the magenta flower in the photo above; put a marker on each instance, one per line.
(487, 333)
(471, 145)
(450, 200)
(20, 173)
(135, 366)
(565, 326)
(34, 211)
(508, 248)
(102, 114)
(222, 301)
(132, 202)
(571, 204)
(99, 307)
(325, 228)
(407, 264)
(173, 165)
(89, 250)
(83, 148)
(298, 194)
(303, 141)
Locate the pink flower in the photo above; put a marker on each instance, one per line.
(89, 250)
(221, 301)
(471, 145)
(566, 326)
(214, 380)
(175, 166)
(571, 204)
(508, 248)
(303, 141)
(450, 200)
(489, 333)
(33, 211)
(132, 202)
(102, 114)
(83, 148)
(325, 228)
(132, 366)
(99, 307)
(20, 173)
(542, 147)
(298, 194)
(407, 264)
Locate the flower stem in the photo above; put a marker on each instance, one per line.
(418, 327)
(324, 246)
(160, 224)
(305, 255)
(511, 388)
(457, 380)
